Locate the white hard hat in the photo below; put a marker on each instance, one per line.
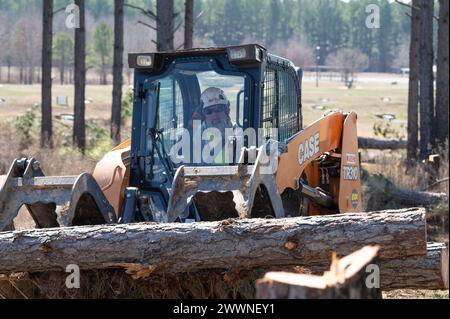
(213, 96)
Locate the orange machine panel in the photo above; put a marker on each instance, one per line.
(350, 180)
(322, 136)
(112, 176)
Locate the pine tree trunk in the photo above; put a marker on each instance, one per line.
(228, 244)
(79, 128)
(9, 73)
(116, 108)
(426, 78)
(103, 80)
(46, 93)
(62, 70)
(413, 88)
(189, 24)
(21, 74)
(165, 25)
(442, 102)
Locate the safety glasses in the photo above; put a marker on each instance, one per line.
(214, 109)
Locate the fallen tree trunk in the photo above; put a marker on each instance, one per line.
(381, 144)
(210, 283)
(227, 244)
(408, 197)
(347, 279)
(430, 272)
(424, 272)
(381, 192)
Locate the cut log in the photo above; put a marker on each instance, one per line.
(228, 244)
(408, 197)
(430, 272)
(425, 272)
(381, 144)
(348, 278)
(382, 192)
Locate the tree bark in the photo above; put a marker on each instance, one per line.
(116, 108)
(62, 69)
(426, 78)
(430, 272)
(348, 278)
(423, 272)
(189, 24)
(381, 192)
(413, 86)
(46, 89)
(409, 198)
(232, 283)
(442, 83)
(9, 72)
(174, 248)
(165, 25)
(79, 127)
(381, 144)
(103, 80)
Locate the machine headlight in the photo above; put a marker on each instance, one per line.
(148, 62)
(144, 60)
(245, 54)
(238, 53)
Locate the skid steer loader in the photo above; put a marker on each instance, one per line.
(273, 166)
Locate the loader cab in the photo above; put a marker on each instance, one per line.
(262, 89)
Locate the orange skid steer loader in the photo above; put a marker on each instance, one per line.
(168, 171)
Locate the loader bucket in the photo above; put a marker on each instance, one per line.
(242, 180)
(79, 198)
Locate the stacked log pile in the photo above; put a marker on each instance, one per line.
(147, 249)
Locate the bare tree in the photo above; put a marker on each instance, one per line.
(165, 23)
(413, 86)
(295, 50)
(4, 41)
(188, 24)
(25, 44)
(79, 128)
(401, 59)
(63, 53)
(350, 60)
(117, 71)
(442, 102)
(46, 88)
(165, 28)
(426, 93)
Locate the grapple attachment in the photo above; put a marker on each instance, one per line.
(79, 198)
(242, 180)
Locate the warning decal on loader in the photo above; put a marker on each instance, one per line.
(351, 158)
